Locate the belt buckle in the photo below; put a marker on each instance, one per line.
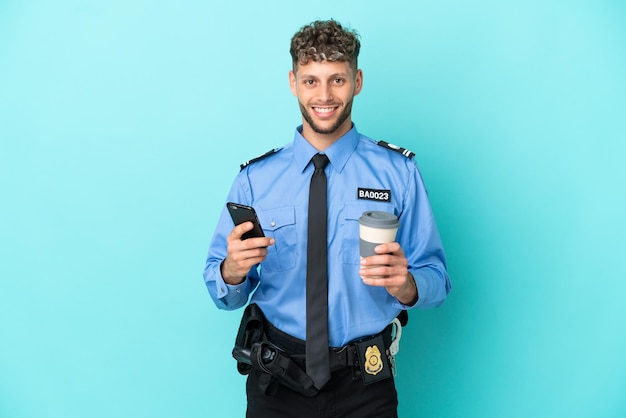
(340, 358)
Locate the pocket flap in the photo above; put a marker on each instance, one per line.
(272, 219)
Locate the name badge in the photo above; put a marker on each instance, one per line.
(374, 194)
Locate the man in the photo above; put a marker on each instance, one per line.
(363, 295)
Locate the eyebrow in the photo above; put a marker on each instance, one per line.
(335, 75)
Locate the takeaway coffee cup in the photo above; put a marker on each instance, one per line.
(376, 228)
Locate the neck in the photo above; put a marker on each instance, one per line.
(321, 141)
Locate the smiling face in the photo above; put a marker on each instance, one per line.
(325, 91)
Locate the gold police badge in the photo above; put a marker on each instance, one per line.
(373, 362)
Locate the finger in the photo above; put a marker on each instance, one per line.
(392, 274)
(390, 282)
(385, 259)
(251, 252)
(390, 248)
(389, 274)
(241, 260)
(241, 229)
(373, 272)
(394, 286)
(260, 242)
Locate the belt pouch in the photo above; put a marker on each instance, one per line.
(268, 359)
(250, 332)
(373, 360)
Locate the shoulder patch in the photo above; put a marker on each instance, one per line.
(403, 151)
(259, 158)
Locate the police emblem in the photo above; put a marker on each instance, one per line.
(373, 362)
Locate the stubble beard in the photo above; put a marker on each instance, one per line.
(343, 116)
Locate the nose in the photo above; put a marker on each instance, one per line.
(325, 93)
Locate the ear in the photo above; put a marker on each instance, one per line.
(358, 82)
(292, 83)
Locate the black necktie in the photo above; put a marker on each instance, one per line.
(317, 359)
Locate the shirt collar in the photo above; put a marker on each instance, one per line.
(338, 153)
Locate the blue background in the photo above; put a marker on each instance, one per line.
(122, 124)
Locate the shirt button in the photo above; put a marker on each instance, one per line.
(273, 224)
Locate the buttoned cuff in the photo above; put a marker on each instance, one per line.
(224, 289)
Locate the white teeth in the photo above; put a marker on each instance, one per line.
(324, 109)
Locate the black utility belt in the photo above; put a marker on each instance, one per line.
(280, 356)
(370, 354)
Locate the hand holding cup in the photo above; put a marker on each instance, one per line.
(375, 228)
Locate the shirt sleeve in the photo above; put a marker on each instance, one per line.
(421, 243)
(226, 296)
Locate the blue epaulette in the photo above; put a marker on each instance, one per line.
(408, 154)
(259, 158)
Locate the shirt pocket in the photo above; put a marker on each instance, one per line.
(350, 215)
(280, 224)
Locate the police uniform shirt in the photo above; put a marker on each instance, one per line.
(362, 176)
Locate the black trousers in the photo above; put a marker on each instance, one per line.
(343, 396)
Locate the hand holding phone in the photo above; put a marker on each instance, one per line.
(242, 213)
(242, 256)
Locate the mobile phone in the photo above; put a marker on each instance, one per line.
(242, 213)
